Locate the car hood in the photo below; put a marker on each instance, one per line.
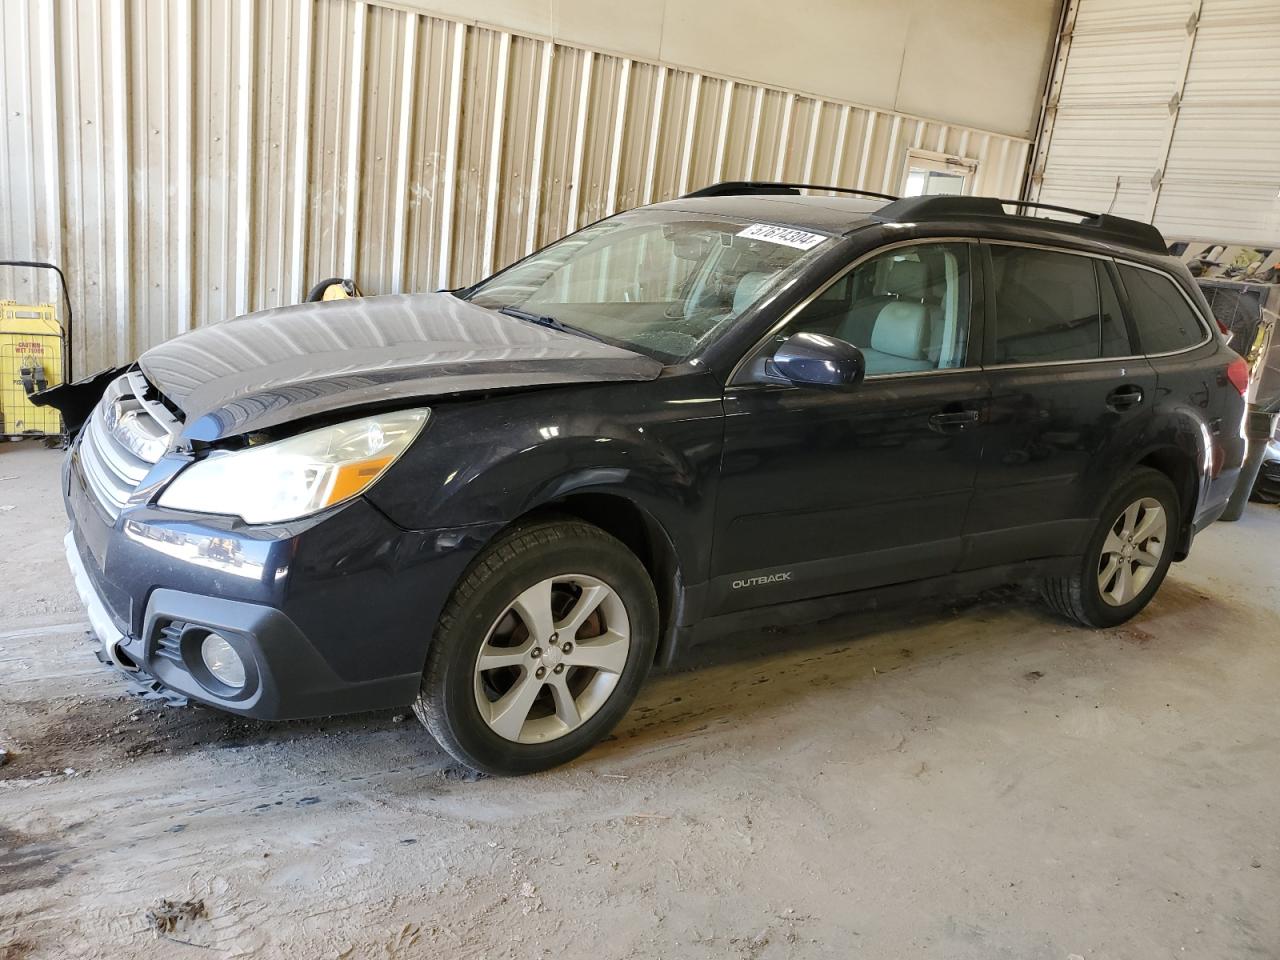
(280, 365)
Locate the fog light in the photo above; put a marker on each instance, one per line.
(222, 660)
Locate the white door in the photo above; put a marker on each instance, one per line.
(934, 173)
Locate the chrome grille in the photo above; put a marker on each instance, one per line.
(126, 435)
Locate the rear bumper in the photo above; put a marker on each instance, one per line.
(333, 614)
(1208, 516)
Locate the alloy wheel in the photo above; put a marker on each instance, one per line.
(552, 658)
(1131, 551)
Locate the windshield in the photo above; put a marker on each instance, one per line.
(661, 282)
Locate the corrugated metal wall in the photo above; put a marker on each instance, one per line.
(1168, 111)
(189, 160)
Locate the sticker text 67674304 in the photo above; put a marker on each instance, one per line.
(786, 236)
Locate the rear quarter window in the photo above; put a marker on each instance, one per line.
(1165, 320)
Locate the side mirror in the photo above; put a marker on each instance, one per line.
(815, 360)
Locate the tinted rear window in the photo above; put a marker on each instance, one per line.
(1164, 319)
(1053, 306)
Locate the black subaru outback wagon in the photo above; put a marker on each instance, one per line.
(504, 504)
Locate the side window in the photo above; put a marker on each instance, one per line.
(1164, 319)
(907, 309)
(1047, 306)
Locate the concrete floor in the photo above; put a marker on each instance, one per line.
(974, 782)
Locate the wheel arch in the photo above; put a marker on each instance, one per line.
(641, 533)
(1180, 466)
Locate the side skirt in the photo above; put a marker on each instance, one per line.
(965, 583)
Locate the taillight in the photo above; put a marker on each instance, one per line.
(1238, 374)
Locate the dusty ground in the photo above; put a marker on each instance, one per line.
(983, 782)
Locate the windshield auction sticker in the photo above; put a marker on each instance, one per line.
(783, 235)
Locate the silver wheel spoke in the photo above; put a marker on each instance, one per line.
(491, 657)
(1108, 573)
(586, 605)
(507, 715)
(566, 706)
(534, 608)
(1124, 583)
(1131, 518)
(1151, 525)
(1113, 544)
(1146, 558)
(607, 653)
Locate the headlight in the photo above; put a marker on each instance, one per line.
(302, 475)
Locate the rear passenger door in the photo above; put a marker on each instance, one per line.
(1068, 393)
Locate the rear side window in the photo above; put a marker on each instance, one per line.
(1164, 319)
(1054, 306)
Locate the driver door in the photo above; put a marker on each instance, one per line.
(825, 491)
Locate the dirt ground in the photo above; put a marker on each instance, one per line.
(964, 781)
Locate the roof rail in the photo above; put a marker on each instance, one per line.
(731, 188)
(1099, 226)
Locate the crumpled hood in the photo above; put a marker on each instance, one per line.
(272, 367)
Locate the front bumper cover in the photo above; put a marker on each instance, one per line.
(331, 615)
(286, 677)
(104, 629)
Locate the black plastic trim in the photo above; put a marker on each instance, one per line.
(285, 677)
(776, 188)
(1095, 226)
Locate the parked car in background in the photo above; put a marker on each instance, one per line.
(504, 504)
(1242, 288)
(1267, 487)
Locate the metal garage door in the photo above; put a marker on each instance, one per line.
(1167, 110)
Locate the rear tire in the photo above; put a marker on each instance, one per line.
(1127, 557)
(540, 650)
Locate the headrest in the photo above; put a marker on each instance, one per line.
(907, 279)
(902, 330)
(748, 290)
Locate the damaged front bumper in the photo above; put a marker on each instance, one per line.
(104, 629)
(331, 614)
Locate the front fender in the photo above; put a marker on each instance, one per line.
(655, 444)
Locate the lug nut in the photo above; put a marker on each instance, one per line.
(536, 652)
(555, 637)
(559, 668)
(568, 647)
(540, 672)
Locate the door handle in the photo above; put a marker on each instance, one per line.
(1122, 398)
(952, 420)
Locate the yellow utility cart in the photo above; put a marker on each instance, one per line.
(35, 355)
(31, 351)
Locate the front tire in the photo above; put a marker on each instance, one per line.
(1127, 557)
(540, 650)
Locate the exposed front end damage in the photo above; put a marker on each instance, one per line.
(75, 401)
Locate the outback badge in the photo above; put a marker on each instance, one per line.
(782, 577)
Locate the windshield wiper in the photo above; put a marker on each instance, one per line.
(544, 321)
